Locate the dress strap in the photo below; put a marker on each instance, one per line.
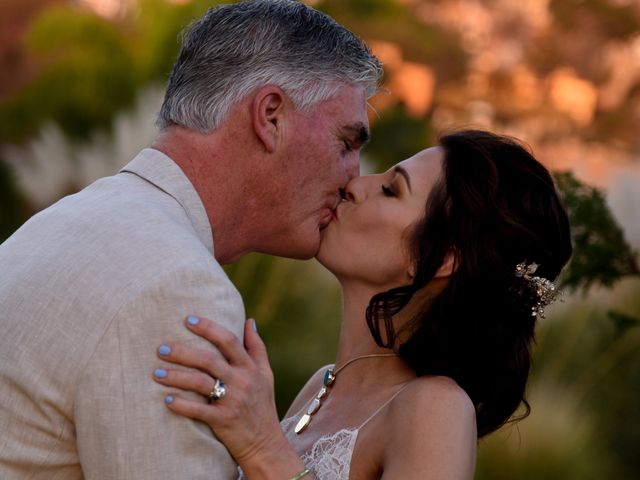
(383, 405)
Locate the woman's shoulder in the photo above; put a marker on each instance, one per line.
(431, 399)
(437, 389)
(431, 431)
(308, 391)
(431, 408)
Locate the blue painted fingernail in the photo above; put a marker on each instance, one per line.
(193, 320)
(164, 350)
(168, 399)
(255, 327)
(160, 373)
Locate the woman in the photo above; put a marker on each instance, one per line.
(445, 263)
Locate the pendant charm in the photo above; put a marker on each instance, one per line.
(329, 378)
(302, 423)
(311, 409)
(313, 406)
(327, 381)
(321, 393)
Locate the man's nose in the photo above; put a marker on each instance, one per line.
(353, 168)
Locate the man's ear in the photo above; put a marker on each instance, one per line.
(267, 109)
(449, 265)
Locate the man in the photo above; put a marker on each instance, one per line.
(262, 123)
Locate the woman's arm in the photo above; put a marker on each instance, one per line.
(432, 433)
(245, 419)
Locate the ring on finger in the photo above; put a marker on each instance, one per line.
(219, 391)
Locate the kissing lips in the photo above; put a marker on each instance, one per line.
(329, 214)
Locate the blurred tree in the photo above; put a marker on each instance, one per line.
(15, 17)
(156, 35)
(601, 254)
(600, 17)
(556, 442)
(87, 75)
(588, 358)
(395, 22)
(91, 68)
(396, 136)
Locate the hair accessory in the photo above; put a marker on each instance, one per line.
(328, 381)
(303, 473)
(545, 290)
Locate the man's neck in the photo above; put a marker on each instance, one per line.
(220, 181)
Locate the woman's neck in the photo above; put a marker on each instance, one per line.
(356, 340)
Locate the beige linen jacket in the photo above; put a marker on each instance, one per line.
(89, 288)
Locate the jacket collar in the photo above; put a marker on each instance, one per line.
(161, 171)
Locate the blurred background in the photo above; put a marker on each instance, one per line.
(81, 80)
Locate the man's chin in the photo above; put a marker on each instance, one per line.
(302, 250)
(302, 244)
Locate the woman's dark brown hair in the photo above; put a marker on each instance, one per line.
(494, 207)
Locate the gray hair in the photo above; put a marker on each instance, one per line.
(234, 49)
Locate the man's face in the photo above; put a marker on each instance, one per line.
(321, 153)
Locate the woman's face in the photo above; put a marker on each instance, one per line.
(367, 241)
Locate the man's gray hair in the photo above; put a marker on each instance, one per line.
(235, 49)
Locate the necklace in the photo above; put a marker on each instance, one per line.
(328, 381)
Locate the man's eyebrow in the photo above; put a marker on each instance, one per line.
(405, 174)
(359, 132)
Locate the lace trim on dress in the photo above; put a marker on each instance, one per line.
(329, 458)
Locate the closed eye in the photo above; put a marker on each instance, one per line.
(348, 146)
(388, 191)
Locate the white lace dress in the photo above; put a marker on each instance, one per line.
(329, 458)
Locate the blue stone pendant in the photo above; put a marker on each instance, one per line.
(329, 378)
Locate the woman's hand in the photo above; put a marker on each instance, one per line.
(245, 419)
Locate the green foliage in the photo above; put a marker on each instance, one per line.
(393, 22)
(87, 75)
(590, 357)
(601, 254)
(622, 322)
(555, 442)
(616, 408)
(396, 136)
(91, 68)
(156, 39)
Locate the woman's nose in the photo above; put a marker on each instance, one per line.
(354, 190)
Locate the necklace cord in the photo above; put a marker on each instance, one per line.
(329, 378)
(360, 357)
